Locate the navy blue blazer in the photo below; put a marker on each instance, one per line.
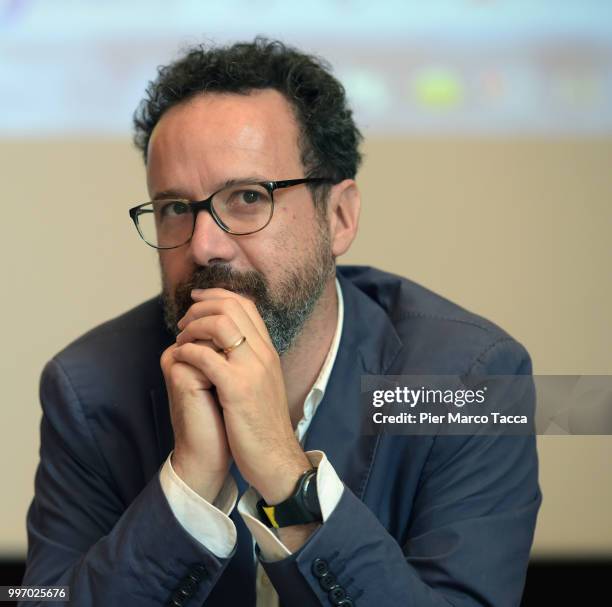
(423, 520)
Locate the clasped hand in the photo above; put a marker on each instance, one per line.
(229, 405)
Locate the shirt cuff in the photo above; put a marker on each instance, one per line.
(207, 523)
(329, 490)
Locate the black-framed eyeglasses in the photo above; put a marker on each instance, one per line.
(240, 209)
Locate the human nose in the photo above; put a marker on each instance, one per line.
(209, 243)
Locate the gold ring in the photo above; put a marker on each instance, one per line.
(234, 346)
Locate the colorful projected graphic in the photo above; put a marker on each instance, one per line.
(505, 66)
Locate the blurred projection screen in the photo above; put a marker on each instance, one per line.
(520, 67)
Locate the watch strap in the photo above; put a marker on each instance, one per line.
(295, 510)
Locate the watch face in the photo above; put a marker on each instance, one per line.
(311, 498)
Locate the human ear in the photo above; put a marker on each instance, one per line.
(343, 208)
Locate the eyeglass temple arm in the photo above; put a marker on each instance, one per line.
(290, 182)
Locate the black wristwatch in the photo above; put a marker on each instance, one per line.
(300, 508)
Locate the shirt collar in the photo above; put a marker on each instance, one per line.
(315, 396)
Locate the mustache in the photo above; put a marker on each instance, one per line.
(224, 276)
(250, 283)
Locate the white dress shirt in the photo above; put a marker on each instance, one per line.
(210, 523)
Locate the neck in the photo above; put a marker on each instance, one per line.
(302, 363)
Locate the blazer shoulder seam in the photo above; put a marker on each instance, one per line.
(480, 358)
(429, 316)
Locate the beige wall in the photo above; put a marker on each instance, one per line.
(518, 231)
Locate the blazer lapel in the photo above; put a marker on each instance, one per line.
(160, 410)
(368, 345)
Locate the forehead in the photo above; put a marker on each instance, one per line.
(212, 137)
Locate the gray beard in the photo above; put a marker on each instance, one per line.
(284, 313)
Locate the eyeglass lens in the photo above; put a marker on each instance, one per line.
(241, 209)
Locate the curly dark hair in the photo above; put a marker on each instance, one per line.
(329, 139)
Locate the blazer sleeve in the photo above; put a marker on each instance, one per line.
(81, 534)
(470, 529)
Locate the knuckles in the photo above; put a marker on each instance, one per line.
(198, 352)
(230, 306)
(270, 357)
(223, 325)
(166, 359)
(175, 375)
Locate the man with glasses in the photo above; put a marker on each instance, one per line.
(206, 447)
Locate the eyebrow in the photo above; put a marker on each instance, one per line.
(181, 194)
